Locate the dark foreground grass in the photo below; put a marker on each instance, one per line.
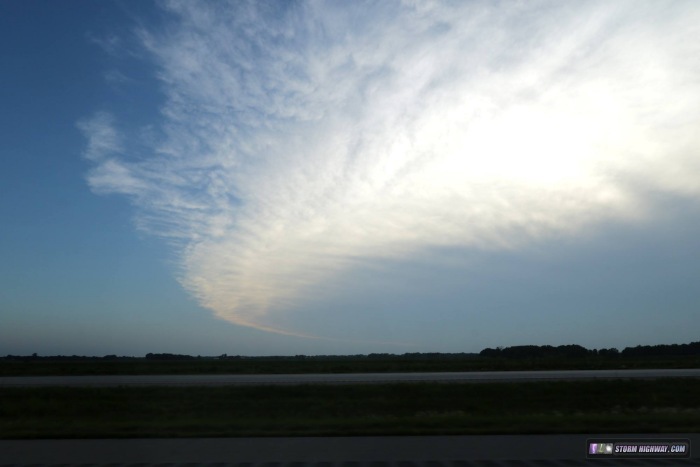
(400, 409)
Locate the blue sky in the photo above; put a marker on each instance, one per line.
(336, 177)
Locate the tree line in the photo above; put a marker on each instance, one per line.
(577, 351)
(513, 352)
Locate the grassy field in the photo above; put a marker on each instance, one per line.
(330, 365)
(401, 409)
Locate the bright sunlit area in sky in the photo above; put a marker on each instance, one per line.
(283, 177)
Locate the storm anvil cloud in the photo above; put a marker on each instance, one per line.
(298, 138)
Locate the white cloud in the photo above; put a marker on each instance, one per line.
(299, 138)
(116, 78)
(102, 138)
(111, 44)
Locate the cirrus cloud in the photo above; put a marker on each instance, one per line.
(299, 138)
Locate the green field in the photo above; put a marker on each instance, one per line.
(671, 405)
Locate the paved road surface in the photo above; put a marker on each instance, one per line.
(418, 451)
(350, 378)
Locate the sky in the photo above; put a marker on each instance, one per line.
(282, 178)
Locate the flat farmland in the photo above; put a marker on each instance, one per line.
(652, 406)
(313, 365)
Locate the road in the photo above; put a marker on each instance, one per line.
(349, 378)
(380, 451)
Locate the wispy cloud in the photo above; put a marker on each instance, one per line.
(103, 140)
(298, 138)
(112, 44)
